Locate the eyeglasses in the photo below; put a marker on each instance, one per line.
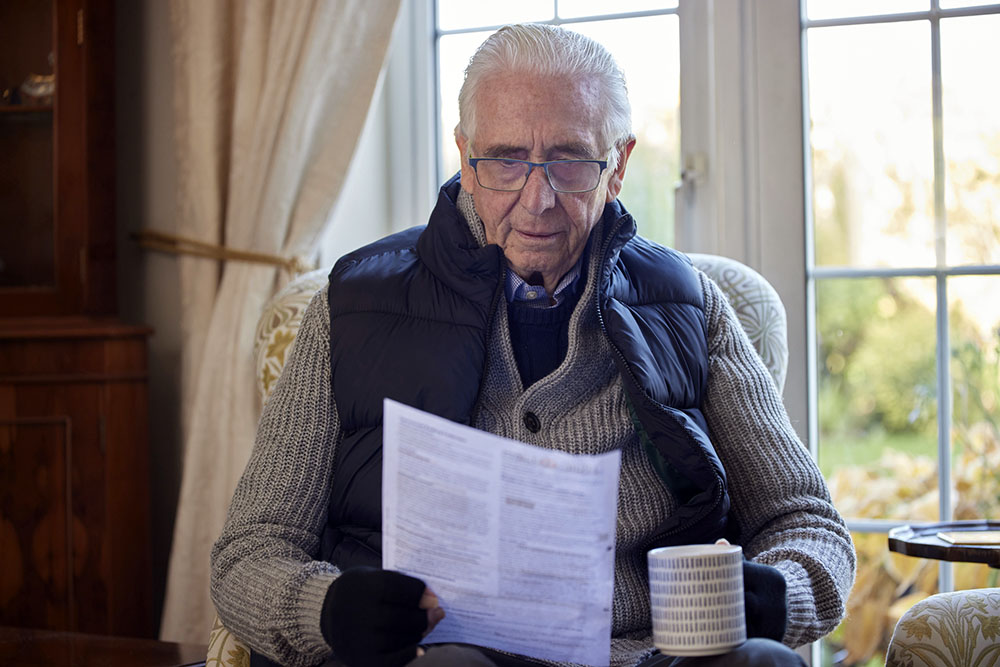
(509, 175)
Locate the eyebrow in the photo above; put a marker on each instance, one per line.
(577, 149)
(572, 148)
(503, 150)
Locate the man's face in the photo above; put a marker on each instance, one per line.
(528, 117)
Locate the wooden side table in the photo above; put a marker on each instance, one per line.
(922, 541)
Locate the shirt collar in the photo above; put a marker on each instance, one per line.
(536, 295)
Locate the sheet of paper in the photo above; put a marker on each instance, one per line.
(517, 541)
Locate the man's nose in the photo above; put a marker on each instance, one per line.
(538, 195)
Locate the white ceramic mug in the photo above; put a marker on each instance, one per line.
(696, 599)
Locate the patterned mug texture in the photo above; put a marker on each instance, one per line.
(696, 599)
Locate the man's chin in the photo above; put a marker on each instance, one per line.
(528, 269)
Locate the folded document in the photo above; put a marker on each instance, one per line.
(517, 541)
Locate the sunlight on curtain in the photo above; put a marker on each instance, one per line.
(270, 101)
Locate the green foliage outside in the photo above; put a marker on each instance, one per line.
(878, 438)
(879, 411)
(877, 373)
(876, 359)
(648, 192)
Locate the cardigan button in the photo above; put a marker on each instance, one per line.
(531, 422)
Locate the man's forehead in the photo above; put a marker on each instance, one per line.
(577, 148)
(539, 114)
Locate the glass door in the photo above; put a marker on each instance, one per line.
(27, 93)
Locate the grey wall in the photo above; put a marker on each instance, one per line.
(147, 282)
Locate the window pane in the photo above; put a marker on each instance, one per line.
(872, 144)
(647, 50)
(954, 4)
(975, 368)
(886, 585)
(829, 9)
(27, 251)
(575, 8)
(877, 396)
(877, 442)
(454, 52)
(900, 484)
(969, 53)
(458, 14)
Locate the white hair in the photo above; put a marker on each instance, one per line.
(547, 50)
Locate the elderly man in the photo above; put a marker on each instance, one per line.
(529, 308)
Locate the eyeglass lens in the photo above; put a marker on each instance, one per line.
(568, 176)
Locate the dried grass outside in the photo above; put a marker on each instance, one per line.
(904, 486)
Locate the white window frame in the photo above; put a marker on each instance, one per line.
(742, 192)
(941, 273)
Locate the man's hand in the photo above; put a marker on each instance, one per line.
(376, 617)
(764, 599)
(764, 602)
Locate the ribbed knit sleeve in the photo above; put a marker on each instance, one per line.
(266, 585)
(779, 497)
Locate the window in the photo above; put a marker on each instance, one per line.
(642, 35)
(736, 131)
(898, 261)
(903, 264)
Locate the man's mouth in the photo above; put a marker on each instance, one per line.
(536, 235)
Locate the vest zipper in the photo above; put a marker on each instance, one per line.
(497, 292)
(621, 356)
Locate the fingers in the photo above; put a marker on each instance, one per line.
(435, 613)
(434, 616)
(401, 616)
(376, 617)
(428, 600)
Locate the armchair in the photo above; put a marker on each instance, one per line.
(755, 301)
(955, 629)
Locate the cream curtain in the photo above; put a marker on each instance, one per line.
(271, 96)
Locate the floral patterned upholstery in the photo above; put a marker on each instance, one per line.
(757, 305)
(224, 649)
(278, 323)
(959, 629)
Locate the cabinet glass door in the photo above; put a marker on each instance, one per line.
(27, 90)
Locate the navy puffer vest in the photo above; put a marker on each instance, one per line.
(409, 319)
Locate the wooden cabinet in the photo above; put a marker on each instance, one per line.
(74, 474)
(74, 477)
(57, 216)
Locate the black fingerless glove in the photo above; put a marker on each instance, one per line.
(371, 617)
(764, 601)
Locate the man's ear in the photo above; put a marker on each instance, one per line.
(618, 175)
(468, 175)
